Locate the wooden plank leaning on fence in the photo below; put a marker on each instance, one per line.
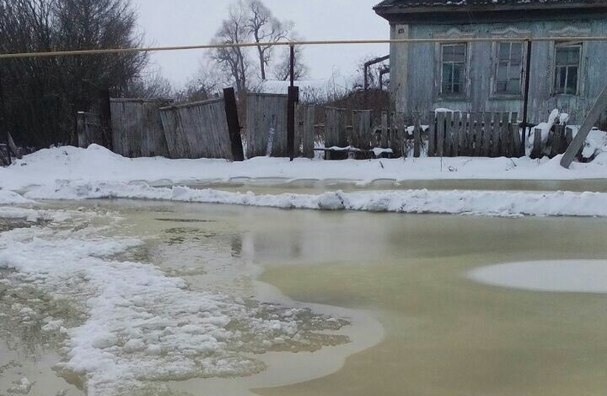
(578, 142)
(198, 130)
(417, 136)
(137, 129)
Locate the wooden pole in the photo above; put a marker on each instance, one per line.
(595, 113)
(293, 98)
(526, 104)
(231, 108)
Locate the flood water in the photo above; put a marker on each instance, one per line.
(419, 324)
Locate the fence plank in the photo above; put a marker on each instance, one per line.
(361, 129)
(198, 130)
(137, 127)
(475, 126)
(398, 135)
(486, 134)
(432, 134)
(267, 125)
(440, 134)
(384, 130)
(308, 131)
(417, 136)
(537, 144)
(335, 132)
(448, 134)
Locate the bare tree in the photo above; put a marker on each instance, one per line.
(282, 70)
(149, 85)
(251, 21)
(266, 29)
(233, 60)
(43, 94)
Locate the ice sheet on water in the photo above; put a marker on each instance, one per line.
(142, 325)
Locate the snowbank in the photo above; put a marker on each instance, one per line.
(72, 173)
(97, 164)
(488, 203)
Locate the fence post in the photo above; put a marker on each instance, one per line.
(417, 136)
(231, 108)
(293, 98)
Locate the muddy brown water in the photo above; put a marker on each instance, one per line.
(443, 334)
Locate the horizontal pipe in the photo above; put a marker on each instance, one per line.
(117, 51)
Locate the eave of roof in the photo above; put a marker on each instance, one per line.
(480, 10)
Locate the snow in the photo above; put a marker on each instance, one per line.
(572, 276)
(72, 173)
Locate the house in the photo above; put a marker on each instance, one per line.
(463, 73)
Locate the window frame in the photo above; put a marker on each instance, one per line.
(465, 70)
(498, 63)
(557, 90)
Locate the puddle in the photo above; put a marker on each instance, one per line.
(409, 319)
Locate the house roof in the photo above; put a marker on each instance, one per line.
(439, 10)
(488, 3)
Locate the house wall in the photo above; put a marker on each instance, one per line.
(415, 68)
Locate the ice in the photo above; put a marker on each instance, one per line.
(572, 276)
(140, 325)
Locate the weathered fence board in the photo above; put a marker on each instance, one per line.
(308, 119)
(473, 134)
(361, 129)
(197, 130)
(89, 129)
(397, 134)
(137, 129)
(267, 125)
(335, 131)
(417, 137)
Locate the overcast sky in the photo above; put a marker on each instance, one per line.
(191, 22)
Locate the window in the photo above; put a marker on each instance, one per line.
(509, 68)
(453, 59)
(567, 67)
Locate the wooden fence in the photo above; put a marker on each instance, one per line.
(197, 130)
(210, 129)
(137, 128)
(454, 134)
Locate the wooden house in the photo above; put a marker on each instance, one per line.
(466, 74)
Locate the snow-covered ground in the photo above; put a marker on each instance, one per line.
(73, 174)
